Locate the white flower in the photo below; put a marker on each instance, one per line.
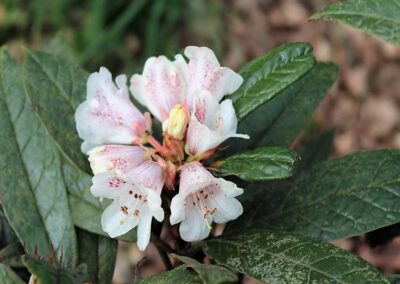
(203, 199)
(198, 85)
(108, 116)
(211, 124)
(134, 186)
(124, 173)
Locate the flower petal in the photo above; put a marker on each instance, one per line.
(143, 231)
(205, 108)
(194, 227)
(116, 158)
(161, 86)
(227, 207)
(154, 204)
(108, 116)
(147, 175)
(205, 73)
(109, 185)
(114, 222)
(177, 209)
(200, 138)
(193, 177)
(211, 124)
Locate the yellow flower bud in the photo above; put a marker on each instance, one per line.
(177, 122)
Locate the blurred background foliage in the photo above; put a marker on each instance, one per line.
(119, 34)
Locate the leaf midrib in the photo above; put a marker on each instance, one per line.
(27, 95)
(24, 167)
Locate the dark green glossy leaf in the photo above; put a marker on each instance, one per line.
(99, 253)
(209, 274)
(380, 18)
(269, 74)
(333, 200)
(318, 151)
(178, 275)
(264, 163)
(56, 87)
(283, 258)
(278, 122)
(50, 273)
(32, 191)
(8, 276)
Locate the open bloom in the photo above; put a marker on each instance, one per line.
(108, 116)
(131, 167)
(199, 85)
(211, 124)
(136, 199)
(203, 199)
(124, 173)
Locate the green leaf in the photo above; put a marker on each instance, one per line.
(7, 275)
(380, 18)
(49, 273)
(32, 191)
(48, 86)
(58, 46)
(306, 95)
(55, 87)
(99, 253)
(178, 275)
(265, 163)
(283, 258)
(269, 74)
(394, 279)
(335, 199)
(209, 274)
(11, 255)
(318, 151)
(278, 122)
(7, 234)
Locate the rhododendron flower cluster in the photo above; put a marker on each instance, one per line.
(133, 168)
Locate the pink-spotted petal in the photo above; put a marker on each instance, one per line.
(227, 207)
(116, 158)
(194, 227)
(115, 222)
(200, 138)
(205, 73)
(147, 175)
(109, 185)
(211, 124)
(108, 116)
(161, 86)
(194, 176)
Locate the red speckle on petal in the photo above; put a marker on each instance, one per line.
(200, 111)
(115, 182)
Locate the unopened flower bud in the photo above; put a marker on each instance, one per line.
(177, 122)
